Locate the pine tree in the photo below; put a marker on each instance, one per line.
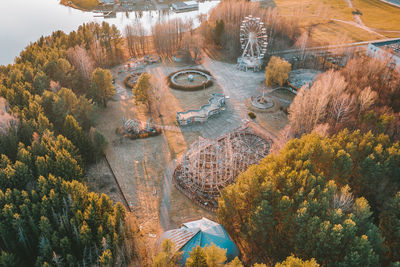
(301, 198)
(389, 223)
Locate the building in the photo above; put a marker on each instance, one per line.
(185, 6)
(107, 2)
(201, 233)
(386, 50)
(215, 105)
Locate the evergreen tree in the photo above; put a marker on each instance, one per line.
(297, 201)
(389, 223)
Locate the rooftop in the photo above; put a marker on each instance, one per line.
(202, 232)
(393, 46)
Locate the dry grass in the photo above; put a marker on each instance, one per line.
(335, 32)
(315, 9)
(318, 14)
(81, 4)
(379, 15)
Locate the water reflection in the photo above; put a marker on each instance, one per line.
(24, 21)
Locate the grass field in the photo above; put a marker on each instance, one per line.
(316, 9)
(379, 15)
(82, 4)
(335, 32)
(318, 14)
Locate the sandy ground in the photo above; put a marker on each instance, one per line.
(143, 167)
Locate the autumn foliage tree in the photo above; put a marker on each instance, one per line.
(101, 87)
(292, 261)
(168, 256)
(142, 89)
(277, 71)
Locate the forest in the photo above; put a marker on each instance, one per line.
(48, 217)
(330, 191)
(328, 195)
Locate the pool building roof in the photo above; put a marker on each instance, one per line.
(202, 232)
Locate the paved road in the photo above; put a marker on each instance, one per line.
(330, 47)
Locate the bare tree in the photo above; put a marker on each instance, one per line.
(136, 36)
(313, 106)
(342, 107)
(130, 40)
(192, 44)
(301, 43)
(167, 36)
(82, 61)
(344, 199)
(366, 99)
(232, 13)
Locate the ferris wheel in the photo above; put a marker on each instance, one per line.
(253, 41)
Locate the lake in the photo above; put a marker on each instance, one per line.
(25, 21)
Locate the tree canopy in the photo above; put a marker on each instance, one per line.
(48, 217)
(102, 88)
(141, 89)
(277, 71)
(312, 198)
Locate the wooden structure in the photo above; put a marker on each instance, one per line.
(210, 165)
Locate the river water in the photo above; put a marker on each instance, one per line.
(25, 21)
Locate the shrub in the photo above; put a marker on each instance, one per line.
(252, 115)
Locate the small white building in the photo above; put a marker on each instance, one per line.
(107, 2)
(185, 6)
(386, 50)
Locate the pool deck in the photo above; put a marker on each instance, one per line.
(214, 103)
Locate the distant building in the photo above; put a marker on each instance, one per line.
(185, 6)
(107, 2)
(201, 233)
(386, 50)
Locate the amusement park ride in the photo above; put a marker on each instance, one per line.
(253, 41)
